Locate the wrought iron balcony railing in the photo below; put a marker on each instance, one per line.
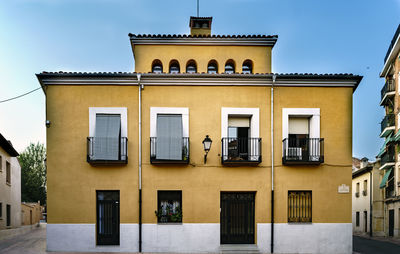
(388, 121)
(388, 156)
(107, 150)
(357, 194)
(387, 88)
(169, 151)
(241, 150)
(303, 151)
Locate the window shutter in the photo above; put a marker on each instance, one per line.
(239, 122)
(298, 125)
(107, 137)
(169, 137)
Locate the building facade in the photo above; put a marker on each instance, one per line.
(276, 178)
(389, 153)
(10, 186)
(368, 198)
(32, 213)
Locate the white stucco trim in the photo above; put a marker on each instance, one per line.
(108, 110)
(82, 238)
(167, 110)
(254, 113)
(306, 238)
(184, 238)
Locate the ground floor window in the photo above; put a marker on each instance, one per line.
(299, 206)
(107, 217)
(357, 219)
(169, 207)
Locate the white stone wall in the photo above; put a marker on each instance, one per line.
(10, 194)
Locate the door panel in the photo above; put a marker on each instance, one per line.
(237, 217)
(391, 222)
(108, 217)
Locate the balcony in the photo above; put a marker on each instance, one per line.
(107, 150)
(303, 151)
(388, 158)
(387, 125)
(364, 192)
(169, 152)
(388, 91)
(238, 151)
(357, 194)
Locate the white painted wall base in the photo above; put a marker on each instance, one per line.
(187, 237)
(306, 238)
(203, 238)
(82, 237)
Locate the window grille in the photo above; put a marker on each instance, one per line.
(300, 206)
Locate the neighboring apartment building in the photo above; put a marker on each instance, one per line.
(32, 213)
(10, 186)
(277, 175)
(367, 198)
(389, 154)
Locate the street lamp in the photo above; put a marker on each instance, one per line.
(207, 145)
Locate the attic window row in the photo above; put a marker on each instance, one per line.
(212, 67)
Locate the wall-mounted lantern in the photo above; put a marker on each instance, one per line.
(207, 145)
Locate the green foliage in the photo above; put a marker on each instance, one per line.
(33, 173)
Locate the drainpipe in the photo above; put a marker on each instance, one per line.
(370, 202)
(140, 86)
(272, 163)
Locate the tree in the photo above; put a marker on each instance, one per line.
(33, 173)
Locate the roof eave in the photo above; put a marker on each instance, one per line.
(389, 60)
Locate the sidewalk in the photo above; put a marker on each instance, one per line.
(394, 240)
(12, 232)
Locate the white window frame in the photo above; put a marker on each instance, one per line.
(154, 111)
(252, 113)
(312, 113)
(93, 111)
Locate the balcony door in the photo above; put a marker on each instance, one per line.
(108, 218)
(298, 145)
(238, 138)
(169, 137)
(107, 137)
(391, 222)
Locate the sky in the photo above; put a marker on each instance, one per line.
(341, 36)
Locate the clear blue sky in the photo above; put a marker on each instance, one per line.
(315, 36)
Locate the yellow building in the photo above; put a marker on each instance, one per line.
(389, 154)
(368, 198)
(276, 178)
(32, 213)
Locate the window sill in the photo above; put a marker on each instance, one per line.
(169, 223)
(9, 184)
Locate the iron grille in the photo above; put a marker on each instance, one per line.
(303, 151)
(241, 150)
(185, 145)
(117, 146)
(299, 206)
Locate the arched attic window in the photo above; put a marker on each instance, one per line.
(157, 67)
(191, 66)
(174, 67)
(247, 67)
(212, 67)
(230, 67)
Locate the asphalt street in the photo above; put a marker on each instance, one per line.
(368, 246)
